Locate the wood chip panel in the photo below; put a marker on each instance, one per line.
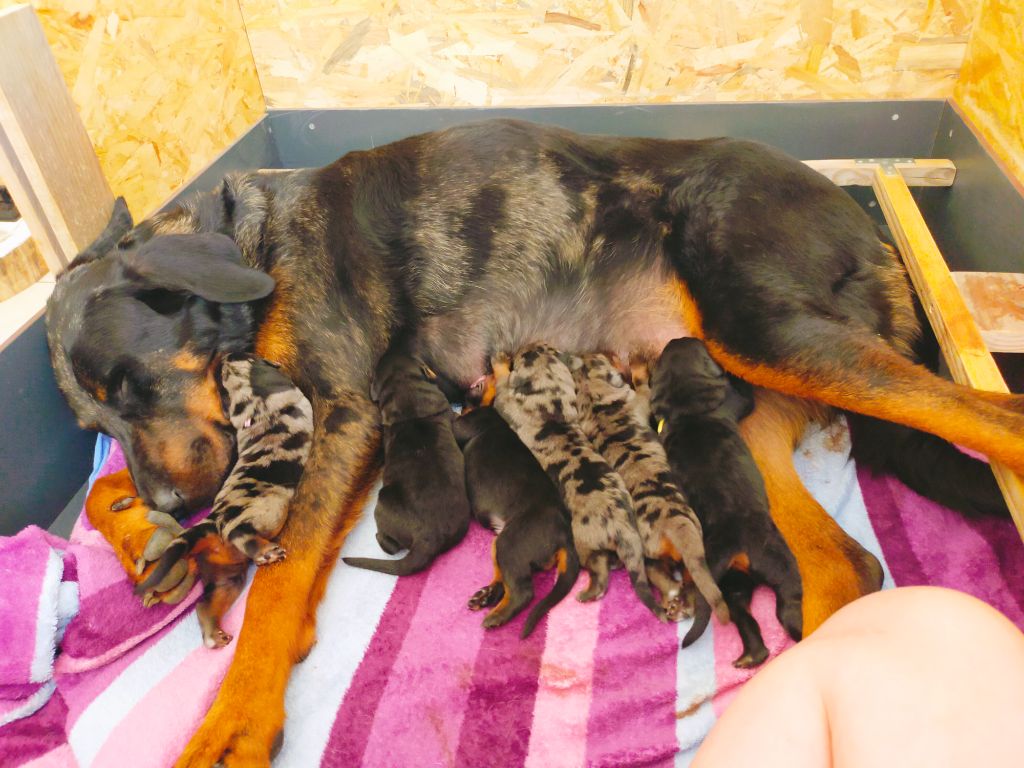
(163, 86)
(373, 53)
(991, 87)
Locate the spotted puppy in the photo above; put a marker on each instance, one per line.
(698, 411)
(273, 423)
(422, 506)
(510, 494)
(669, 528)
(537, 398)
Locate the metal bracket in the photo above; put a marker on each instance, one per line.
(887, 164)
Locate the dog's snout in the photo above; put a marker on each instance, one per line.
(170, 500)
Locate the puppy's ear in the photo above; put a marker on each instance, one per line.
(208, 265)
(119, 225)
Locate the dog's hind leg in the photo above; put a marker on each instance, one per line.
(247, 715)
(738, 588)
(827, 361)
(834, 569)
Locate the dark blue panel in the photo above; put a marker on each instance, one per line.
(978, 223)
(44, 456)
(806, 129)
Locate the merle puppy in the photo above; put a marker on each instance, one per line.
(512, 495)
(698, 410)
(423, 505)
(537, 397)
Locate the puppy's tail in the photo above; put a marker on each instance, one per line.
(691, 549)
(568, 570)
(632, 556)
(416, 559)
(701, 619)
(179, 549)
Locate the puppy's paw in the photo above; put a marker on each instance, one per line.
(271, 555)
(751, 659)
(486, 597)
(590, 594)
(676, 609)
(218, 638)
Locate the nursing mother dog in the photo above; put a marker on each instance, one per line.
(476, 240)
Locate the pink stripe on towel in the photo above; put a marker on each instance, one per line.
(559, 731)
(354, 721)
(161, 723)
(420, 713)
(496, 731)
(632, 717)
(953, 554)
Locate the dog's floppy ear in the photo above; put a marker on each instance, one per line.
(206, 264)
(119, 225)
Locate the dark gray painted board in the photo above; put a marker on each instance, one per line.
(44, 456)
(809, 130)
(255, 149)
(978, 223)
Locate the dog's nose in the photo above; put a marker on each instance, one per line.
(170, 500)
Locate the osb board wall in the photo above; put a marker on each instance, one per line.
(162, 85)
(991, 87)
(371, 53)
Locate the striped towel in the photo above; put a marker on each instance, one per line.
(404, 675)
(38, 597)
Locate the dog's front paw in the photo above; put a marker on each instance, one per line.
(234, 739)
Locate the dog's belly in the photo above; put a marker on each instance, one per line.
(638, 315)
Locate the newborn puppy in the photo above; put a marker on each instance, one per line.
(669, 529)
(423, 505)
(538, 400)
(510, 494)
(273, 424)
(697, 410)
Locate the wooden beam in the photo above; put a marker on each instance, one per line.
(861, 173)
(996, 302)
(962, 345)
(46, 159)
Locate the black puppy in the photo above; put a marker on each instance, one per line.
(512, 495)
(423, 505)
(697, 409)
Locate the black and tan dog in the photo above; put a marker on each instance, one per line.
(481, 238)
(422, 506)
(510, 494)
(698, 412)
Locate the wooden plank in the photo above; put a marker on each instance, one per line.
(46, 158)
(996, 302)
(962, 346)
(861, 173)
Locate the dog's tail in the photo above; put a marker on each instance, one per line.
(928, 465)
(416, 559)
(701, 619)
(691, 549)
(568, 570)
(179, 549)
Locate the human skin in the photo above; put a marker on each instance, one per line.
(914, 677)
